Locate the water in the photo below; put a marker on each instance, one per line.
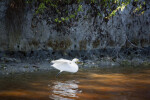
(131, 83)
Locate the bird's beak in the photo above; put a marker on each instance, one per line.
(79, 62)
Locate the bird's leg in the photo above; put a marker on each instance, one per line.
(58, 74)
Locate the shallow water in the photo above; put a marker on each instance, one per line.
(123, 83)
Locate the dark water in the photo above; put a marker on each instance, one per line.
(131, 83)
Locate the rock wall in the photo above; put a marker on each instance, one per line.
(20, 30)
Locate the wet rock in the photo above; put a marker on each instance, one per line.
(103, 62)
(7, 59)
(136, 61)
(108, 63)
(125, 62)
(35, 66)
(26, 66)
(32, 65)
(94, 32)
(3, 67)
(146, 63)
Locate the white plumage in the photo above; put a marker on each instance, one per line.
(65, 65)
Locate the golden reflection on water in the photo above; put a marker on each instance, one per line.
(65, 90)
(92, 84)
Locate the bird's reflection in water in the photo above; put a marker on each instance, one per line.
(65, 90)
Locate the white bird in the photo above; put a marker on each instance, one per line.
(65, 65)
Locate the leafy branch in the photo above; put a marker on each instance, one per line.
(107, 7)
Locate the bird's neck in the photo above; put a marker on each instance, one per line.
(74, 60)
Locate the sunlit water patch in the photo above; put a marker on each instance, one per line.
(63, 90)
(122, 83)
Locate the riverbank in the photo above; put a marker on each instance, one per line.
(9, 65)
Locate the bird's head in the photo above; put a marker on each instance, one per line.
(75, 60)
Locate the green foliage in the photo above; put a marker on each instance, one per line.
(79, 8)
(41, 8)
(140, 9)
(56, 20)
(109, 8)
(92, 1)
(71, 16)
(99, 14)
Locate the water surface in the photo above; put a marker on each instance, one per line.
(123, 83)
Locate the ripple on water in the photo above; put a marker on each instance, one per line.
(87, 84)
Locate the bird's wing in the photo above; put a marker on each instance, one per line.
(60, 61)
(62, 66)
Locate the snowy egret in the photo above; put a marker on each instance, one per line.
(65, 65)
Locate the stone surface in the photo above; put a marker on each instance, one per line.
(21, 31)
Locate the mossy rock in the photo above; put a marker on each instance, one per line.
(26, 66)
(96, 43)
(146, 63)
(59, 44)
(34, 42)
(125, 63)
(3, 66)
(83, 44)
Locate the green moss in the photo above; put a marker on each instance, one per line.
(146, 63)
(59, 45)
(125, 63)
(3, 67)
(83, 44)
(26, 66)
